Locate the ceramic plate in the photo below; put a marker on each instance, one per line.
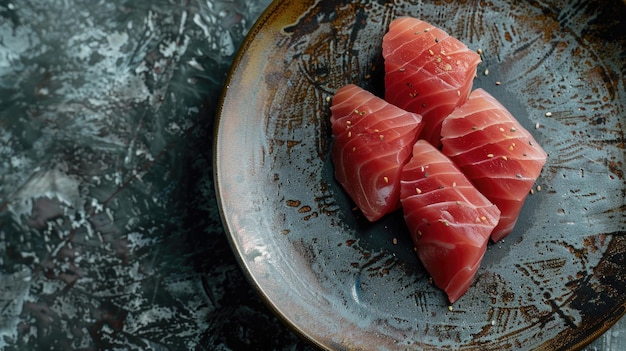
(556, 282)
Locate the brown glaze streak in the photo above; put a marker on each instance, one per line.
(610, 273)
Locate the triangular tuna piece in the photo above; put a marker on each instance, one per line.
(495, 152)
(426, 72)
(372, 141)
(450, 221)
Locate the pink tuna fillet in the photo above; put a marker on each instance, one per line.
(449, 219)
(495, 152)
(426, 72)
(372, 141)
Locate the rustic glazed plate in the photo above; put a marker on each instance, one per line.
(556, 282)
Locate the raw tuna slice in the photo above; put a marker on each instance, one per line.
(372, 141)
(426, 72)
(495, 152)
(449, 219)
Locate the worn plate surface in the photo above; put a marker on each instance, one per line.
(557, 282)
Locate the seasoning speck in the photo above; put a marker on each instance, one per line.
(386, 179)
(538, 187)
(490, 155)
(548, 114)
(486, 72)
(479, 51)
(418, 190)
(328, 99)
(498, 83)
(537, 125)
(395, 241)
(450, 308)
